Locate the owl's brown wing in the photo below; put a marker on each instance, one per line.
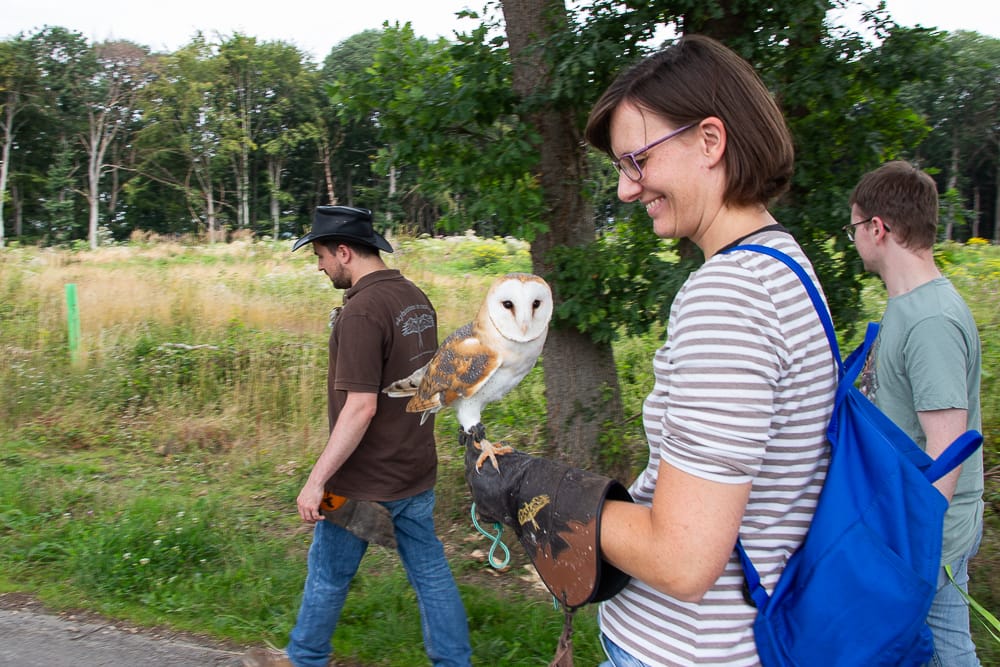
(458, 369)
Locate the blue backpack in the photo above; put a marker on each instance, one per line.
(858, 589)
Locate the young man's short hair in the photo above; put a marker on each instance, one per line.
(905, 198)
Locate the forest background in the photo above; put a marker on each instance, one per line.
(482, 133)
(108, 143)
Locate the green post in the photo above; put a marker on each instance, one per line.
(73, 320)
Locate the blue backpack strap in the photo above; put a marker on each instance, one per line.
(814, 295)
(952, 457)
(757, 593)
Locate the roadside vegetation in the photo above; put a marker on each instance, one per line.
(152, 475)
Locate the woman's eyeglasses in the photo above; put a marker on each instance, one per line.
(628, 164)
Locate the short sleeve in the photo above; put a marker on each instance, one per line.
(934, 350)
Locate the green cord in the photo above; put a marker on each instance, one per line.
(495, 538)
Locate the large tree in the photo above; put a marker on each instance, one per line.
(180, 141)
(68, 66)
(262, 84)
(581, 383)
(959, 98)
(20, 89)
(110, 95)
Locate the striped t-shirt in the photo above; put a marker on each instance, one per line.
(743, 393)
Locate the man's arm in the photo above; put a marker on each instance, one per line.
(941, 427)
(353, 421)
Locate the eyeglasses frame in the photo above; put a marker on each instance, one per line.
(617, 164)
(849, 227)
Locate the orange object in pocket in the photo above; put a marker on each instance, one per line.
(332, 502)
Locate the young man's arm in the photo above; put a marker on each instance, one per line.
(941, 427)
(351, 425)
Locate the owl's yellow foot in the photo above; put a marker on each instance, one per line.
(491, 452)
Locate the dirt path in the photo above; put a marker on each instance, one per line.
(31, 636)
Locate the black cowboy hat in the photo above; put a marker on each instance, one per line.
(353, 225)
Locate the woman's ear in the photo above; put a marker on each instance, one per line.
(713, 138)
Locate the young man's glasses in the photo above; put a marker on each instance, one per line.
(849, 228)
(628, 164)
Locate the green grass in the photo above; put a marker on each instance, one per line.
(155, 479)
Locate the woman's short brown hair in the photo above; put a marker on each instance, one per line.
(693, 79)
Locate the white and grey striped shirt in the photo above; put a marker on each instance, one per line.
(743, 393)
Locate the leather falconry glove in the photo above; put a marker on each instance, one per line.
(555, 510)
(366, 519)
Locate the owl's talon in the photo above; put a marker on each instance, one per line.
(491, 452)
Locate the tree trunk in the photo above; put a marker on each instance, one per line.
(10, 109)
(17, 202)
(392, 192)
(274, 165)
(243, 187)
(95, 158)
(325, 155)
(581, 383)
(996, 204)
(210, 215)
(949, 223)
(4, 169)
(976, 214)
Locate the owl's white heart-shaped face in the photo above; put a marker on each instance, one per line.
(520, 306)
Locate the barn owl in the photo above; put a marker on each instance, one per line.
(483, 360)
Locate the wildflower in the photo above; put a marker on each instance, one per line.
(127, 555)
(143, 561)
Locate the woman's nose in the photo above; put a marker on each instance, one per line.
(628, 190)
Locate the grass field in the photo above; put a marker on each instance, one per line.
(152, 475)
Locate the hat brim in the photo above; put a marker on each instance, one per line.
(376, 241)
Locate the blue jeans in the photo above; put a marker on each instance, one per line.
(334, 558)
(949, 617)
(617, 656)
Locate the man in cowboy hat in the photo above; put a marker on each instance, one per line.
(374, 480)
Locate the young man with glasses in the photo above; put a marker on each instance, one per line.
(924, 370)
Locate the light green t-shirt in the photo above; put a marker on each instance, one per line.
(927, 357)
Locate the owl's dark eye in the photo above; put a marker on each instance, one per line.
(535, 304)
(509, 305)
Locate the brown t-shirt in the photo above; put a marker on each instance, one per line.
(385, 331)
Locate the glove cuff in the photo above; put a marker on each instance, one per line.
(558, 523)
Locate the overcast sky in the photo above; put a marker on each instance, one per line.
(316, 27)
